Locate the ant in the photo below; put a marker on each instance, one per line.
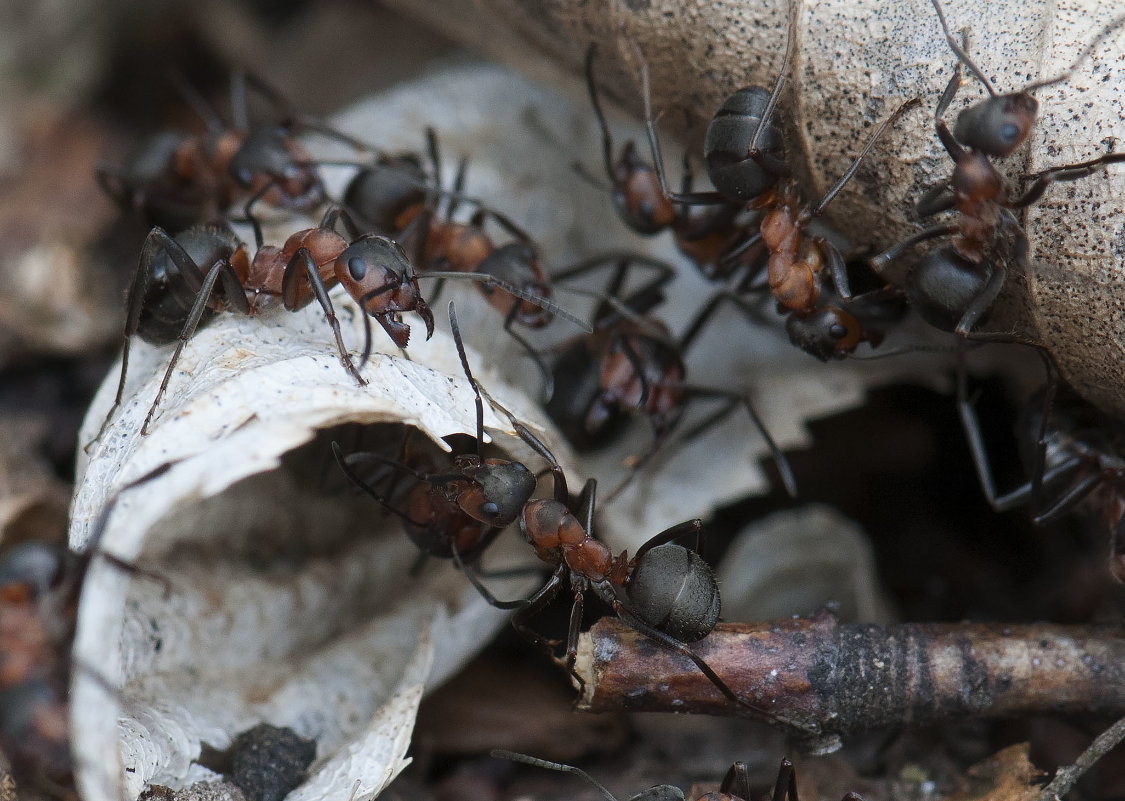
(396, 195)
(1075, 450)
(643, 207)
(666, 592)
(745, 156)
(955, 286)
(631, 365)
(39, 590)
(734, 787)
(176, 279)
(178, 180)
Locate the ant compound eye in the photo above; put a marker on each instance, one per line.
(1010, 132)
(245, 176)
(838, 331)
(490, 508)
(646, 211)
(291, 172)
(357, 267)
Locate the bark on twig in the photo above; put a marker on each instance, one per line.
(820, 680)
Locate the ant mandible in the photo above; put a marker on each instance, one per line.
(734, 787)
(631, 365)
(955, 286)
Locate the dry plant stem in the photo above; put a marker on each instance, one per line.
(824, 679)
(1066, 777)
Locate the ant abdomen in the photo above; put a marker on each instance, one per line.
(673, 589)
(726, 146)
(998, 125)
(169, 297)
(385, 194)
(943, 284)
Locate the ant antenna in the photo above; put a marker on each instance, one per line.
(1087, 51)
(500, 753)
(959, 51)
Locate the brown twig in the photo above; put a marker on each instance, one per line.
(1066, 777)
(822, 680)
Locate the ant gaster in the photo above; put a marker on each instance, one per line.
(734, 787)
(954, 286)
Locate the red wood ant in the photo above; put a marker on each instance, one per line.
(397, 196)
(39, 589)
(666, 591)
(1076, 452)
(734, 787)
(632, 366)
(744, 152)
(176, 280)
(178, 180)
(636, 194)
(955, 286)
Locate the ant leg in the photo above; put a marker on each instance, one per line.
(783, 467)
(544, 370)
(485, 593)
(464, 357)
(1068, 172)
(736, 782)
(981, 303)
(534, 605)
(587, 500)
(818, 207)
(675, 645)
(703, 316)
(879, 261)
(674, 533)
(936, 200)
(512, 289)
(500, 753)
(1071, 499)
(233, 288)
(603, 126)
(786, 784)
(975, 439)
(303, 259)
(572, 634)
(693, 198)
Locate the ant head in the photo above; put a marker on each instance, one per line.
(827, 333)
(36, 566)
(637, 196)
(998, 125)
(673, 590)
(500, 490)
(273, 155)
(732, 168)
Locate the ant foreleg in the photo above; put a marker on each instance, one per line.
(1068, 172)
(534, 605)
(878, 263)
(672, 534)
(485, 593)
(302, 258)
